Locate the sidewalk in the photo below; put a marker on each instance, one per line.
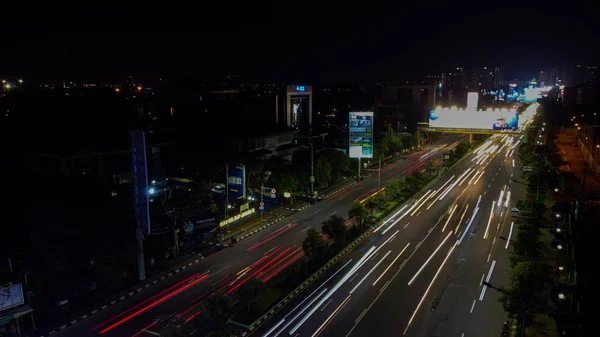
(574, 163)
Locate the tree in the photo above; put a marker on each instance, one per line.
(359, 212)
(339, 161)
(429, 167)
(372, 203)
(251, 288)
(322, 169)
(396, 189)
(217, 311)
(413, 182)
(335, 228)
(313, 243)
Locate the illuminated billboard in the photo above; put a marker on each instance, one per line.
(236, 183)
(361, 135)
(11, 296)
(472, 100)
(496, 119)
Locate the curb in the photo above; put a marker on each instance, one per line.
(124, 297)
(260, 228)
(338, 190)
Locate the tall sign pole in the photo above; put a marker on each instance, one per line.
(379, 177)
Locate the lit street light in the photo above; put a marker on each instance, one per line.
(151, 191)
(561, 268)
(558, 230)
(559, 247)
(562, 296)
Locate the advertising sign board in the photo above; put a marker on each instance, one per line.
(497, 119)
(11, 296)
(361, 135)
(236, 182)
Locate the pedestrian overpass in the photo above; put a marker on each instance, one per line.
(424, 128)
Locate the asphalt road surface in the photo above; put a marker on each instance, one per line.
(181, 295)
(421, 273)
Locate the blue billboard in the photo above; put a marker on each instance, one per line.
(236, 182)
(198, 227)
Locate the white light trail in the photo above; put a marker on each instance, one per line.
(439, 190)
(468, 226)
(429, 259)
(487, 228)
(507, 199)
(509, 235)
(487, 279)
(306, 299)
(369, 273)
(428, 288)
(513, 163)
(473, 177)
(447, 221)
(333, 290)
(391, 218)
(501, 196)
(465, 178)
(476, 180)
(388, 267)
(418, 201)
(422, 203)
(453, 185)
(300, 312)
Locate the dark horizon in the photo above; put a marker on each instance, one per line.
(267, 45)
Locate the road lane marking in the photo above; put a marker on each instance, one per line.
(472, 307)
(318, 211)
(332, 213)
(353, 277)
(307, 228)
(408, 223)
(326, 304)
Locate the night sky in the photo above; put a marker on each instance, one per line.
(304, 41)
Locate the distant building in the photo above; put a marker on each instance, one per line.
(402, 106)
(281, 145)
(294, 108)
(548, 77)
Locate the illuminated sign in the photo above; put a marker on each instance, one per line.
(472, 100)
(361, 135)
(236, 182)
(496, 119)
(300, 88)
(237, 217)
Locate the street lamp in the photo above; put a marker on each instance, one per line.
(556, 189)
(560, 247)
(558, 230)
(561, 296)
(561, 268)
(557, 215)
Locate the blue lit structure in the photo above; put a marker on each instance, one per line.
(139, 170)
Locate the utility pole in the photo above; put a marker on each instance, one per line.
(262, 187)
(358, 178)
(379, 177)
(175, 236)
(312, 167)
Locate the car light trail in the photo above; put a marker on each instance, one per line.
(507, 199)
(429, 259)
(335, 312)
(391, 218)
(452, 186)
(147, 300)
(450, 217)
(272, 237)
(509, 235)
(476, 180)
(461, 219)
(473, 177)
(487, 228)
(306, 299)
(333, 290)
(421, 204)
(429, 288)
(487, 279)
(287, 264)
(501, 196)
(465, 178)
(152, 305)
(468, 226)
(302, 311)
(146, 328)
(418, 201)
(386, 269)
(369, 273)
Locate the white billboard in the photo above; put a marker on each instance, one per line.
(361, 134)
(496, 119)
(472, 100)
(11, 296)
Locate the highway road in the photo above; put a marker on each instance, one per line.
(266, 253)
(421, 272)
